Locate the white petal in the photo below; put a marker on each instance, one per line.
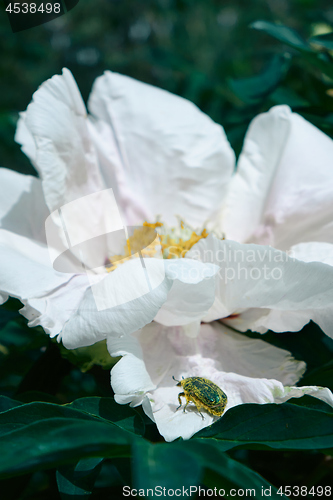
(313, 252)
(26, 270)
(175, 158)
(24, 137)
(53, 310)
(191, 295)
(283, 190)
(261, 320)
(257, 276)
(239, 365)
(134, 209)
(128, 298)
(49, 297)
(249, 357)
(129, 377)
(64, 156)
(3, 298)
(219, 347)
(22, 206)
(322, 393)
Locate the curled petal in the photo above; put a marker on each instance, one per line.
(261, 319)
(186, 303)
(63, 153)
(261, 277)
(128, 298)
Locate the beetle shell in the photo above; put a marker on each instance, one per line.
(204, 394)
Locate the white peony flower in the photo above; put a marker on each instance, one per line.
(164, 158)
(247, 370)
(143, 160)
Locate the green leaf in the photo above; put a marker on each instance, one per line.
(25, 414)
(78, 481)
(311, 402)
(254, 89)
(48, 435)
(321, 62)
(285, 95)
(8, 403)
(184, 465)
(57, 441)
(123, 415)
(85, 408)
(165, 465)
(285, 426)
(212, 457)
(282, 33)
(325, 40)
(321, 376)
(294, 40)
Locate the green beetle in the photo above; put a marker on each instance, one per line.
(203, 393)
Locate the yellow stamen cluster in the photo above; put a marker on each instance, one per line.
(175, 248)
(145, 241)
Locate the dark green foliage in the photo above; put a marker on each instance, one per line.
(325, 41)
(78, 481)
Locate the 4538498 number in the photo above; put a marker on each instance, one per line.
(32, 8)
(303, 491)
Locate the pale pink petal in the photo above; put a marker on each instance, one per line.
(175, 159)
(282, 193)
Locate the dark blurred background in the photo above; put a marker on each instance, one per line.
(194, 48)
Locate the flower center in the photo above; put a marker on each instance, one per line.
(173, 242)
(177, 241)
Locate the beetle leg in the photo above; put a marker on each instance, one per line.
(180, 401)
(199, 408)
(187, 402)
